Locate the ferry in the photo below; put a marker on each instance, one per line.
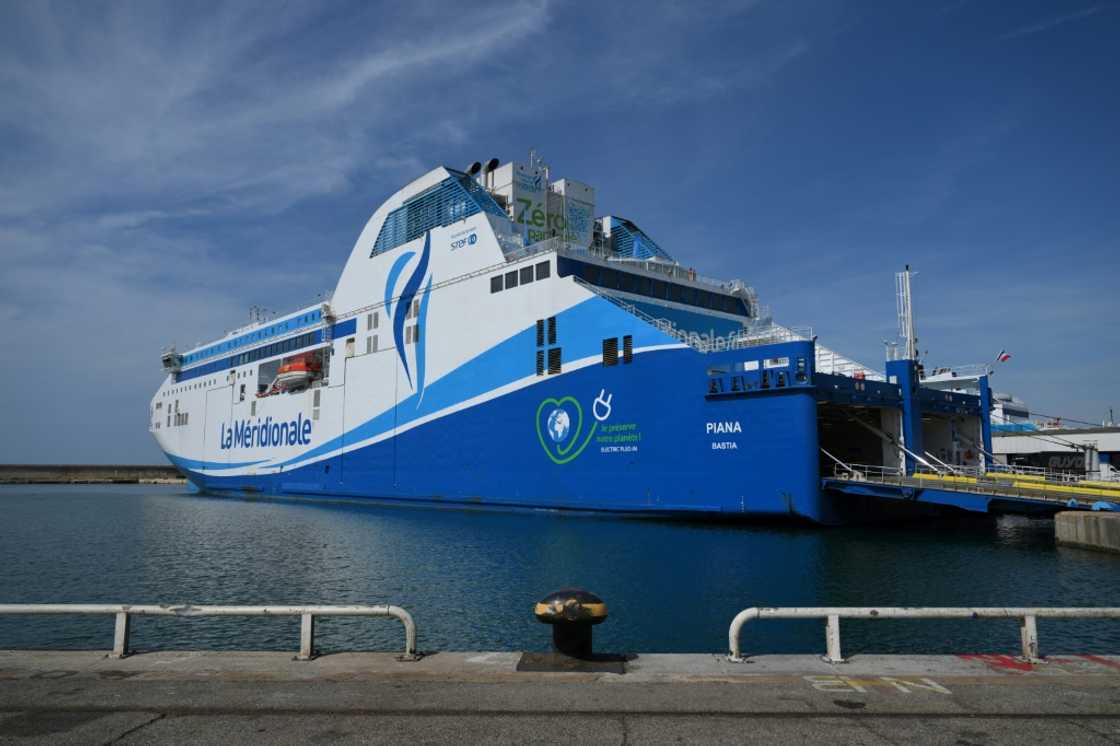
(493, 341)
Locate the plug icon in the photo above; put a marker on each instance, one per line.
(603, 404)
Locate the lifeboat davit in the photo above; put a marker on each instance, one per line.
(298, 372)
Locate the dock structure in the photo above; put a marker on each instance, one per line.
(474, 697)
(974, 490)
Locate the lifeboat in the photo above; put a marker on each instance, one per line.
(297, 372)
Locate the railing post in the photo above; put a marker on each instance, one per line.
(832, 639)
(1028, 634)
(306, 637)
(120, 635)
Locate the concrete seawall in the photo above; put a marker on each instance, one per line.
(88, 474)
(1096, 530)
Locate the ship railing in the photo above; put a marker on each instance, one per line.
(667, 269)
(123, 614)
(965, 479)
(830, 361)
(958, 372)
(1028, 622)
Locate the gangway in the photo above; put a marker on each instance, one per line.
(971, 489)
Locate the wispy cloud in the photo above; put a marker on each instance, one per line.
(1049, 23)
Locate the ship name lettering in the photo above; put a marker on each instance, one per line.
(265, 433)
(722, 428)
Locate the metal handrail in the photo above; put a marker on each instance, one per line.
(1027, 616)
(983, 481)
(307, 614)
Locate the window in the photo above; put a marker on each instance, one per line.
(241, 396)
(552, 330)
(369, 345)
(554, 361)
(610, 351)
(496, 284)
(415, 309)
(315, 404)
(253, 409)
(628, 349)
(540, 332)
(543, 270)
(511, 279)
(376, 319)
(540, 362)
(369, 321)
(526, 275)
(350, 347)
(416, 334)
(408, 335)
(609, 278)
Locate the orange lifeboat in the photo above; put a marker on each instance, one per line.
(298, 371)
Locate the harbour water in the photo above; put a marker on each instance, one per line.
(470, 577)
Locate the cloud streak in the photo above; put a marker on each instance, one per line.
(1049, 23)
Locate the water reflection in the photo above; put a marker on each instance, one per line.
(470, 577)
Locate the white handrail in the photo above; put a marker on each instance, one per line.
(1027, 616)
(307, 614)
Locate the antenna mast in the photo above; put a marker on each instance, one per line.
(906, 328)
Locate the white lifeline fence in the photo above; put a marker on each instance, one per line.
(1028, 626)
(307, 615)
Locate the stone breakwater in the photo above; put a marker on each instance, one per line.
(88, 474)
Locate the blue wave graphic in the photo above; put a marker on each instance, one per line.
(405, 302)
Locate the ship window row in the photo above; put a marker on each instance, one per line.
(613, 279)
(259, 353)
(189, 387)
(523, 276)
(272, 330)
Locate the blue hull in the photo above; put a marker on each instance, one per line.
(665, 448)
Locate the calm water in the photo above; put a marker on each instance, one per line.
(470, 578)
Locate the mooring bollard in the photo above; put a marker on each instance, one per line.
(572, 612)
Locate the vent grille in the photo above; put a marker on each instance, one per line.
(610, 351)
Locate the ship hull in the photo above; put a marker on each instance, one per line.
(663, 448)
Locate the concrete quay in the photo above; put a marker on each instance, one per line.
(181, 697)
(1090, 530)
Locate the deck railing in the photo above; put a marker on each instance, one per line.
(1028, 626)
(307, 615)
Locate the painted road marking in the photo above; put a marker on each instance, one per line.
(1051, 666)
(902, 684)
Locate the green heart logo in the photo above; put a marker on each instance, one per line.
(561, 431)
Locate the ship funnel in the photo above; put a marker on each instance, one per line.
(474, 168)
(488, 172)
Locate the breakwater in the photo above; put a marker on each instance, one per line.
(88, 474)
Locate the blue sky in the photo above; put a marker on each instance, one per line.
(164, 166)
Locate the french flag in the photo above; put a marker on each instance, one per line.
(1003, 356)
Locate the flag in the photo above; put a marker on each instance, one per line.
(1003, 356)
